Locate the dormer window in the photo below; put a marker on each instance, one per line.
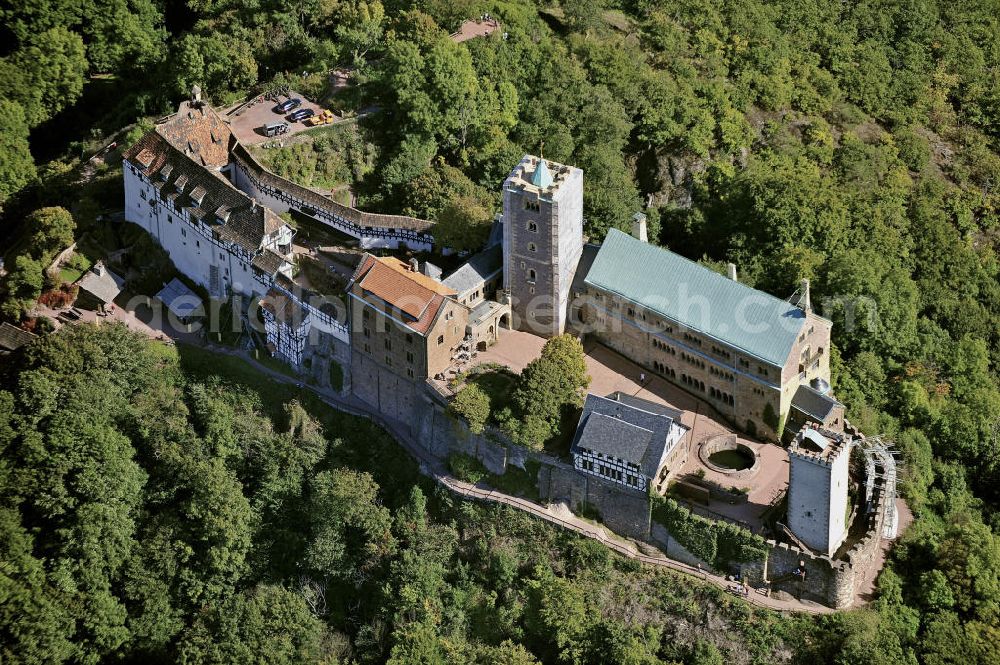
(531, 275)
(533, 227)
(198, 194)
(532, 247)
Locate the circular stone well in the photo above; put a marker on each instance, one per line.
(725, 454)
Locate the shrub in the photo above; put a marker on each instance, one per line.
(467, 468)
(473, 405)
(718, 543)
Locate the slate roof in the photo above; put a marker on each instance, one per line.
(268, 262)
(179, 299)
(101, 283)
(631, 429)
(697, 298)
(390, 281)
(13, 338)
(814, 404)
(479, 268)
(646, 405)
(318, 201)
(205, 193)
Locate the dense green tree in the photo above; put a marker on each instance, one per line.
(51, 230)
(472, 404)
(17, 168)
(267, 624)
(351, 530)
(24, 284)
(46, 75)
(463, 225)
(215, 62)
(549, 386)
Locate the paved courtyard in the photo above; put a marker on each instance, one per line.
(610, 372)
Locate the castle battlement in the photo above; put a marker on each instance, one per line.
(819, 446)
(540, 176)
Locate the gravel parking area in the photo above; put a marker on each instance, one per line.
(248, 126)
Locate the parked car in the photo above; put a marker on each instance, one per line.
(275, 128)
(288, 105)
(301, 114)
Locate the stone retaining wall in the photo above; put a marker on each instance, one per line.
(624, 511)
(834, 583)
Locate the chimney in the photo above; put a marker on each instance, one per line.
(99, 268)
(414, 265)
(639, 226)
(731, 271)
(804, 302)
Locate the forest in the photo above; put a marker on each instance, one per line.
(854, 144)
(161, 504)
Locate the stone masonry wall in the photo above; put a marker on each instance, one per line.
(627, 512)
(624, 511)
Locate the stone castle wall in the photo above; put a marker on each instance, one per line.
(831, 582)
(623, 510)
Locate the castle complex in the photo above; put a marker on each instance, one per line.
(761, 362)
(758, 359)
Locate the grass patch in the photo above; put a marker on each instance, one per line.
(202, 363)
(276, 364)
(519, 482)
(326, 158)
(514, 481)
(74, 268)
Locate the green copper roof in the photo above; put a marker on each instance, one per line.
(541, 178)
(696, 297)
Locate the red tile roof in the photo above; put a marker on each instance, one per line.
(391, 281)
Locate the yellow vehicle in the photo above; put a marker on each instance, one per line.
(325, 117)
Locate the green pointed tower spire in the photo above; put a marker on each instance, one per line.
(541, 178)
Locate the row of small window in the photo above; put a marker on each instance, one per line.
(719, 351)
(663, 369)
(725, 397)
(608, 472)
(692, 382)
(722, 374)
(697, 362)
(663, 346)
(745, 364)
(805, 334)
(388, 358)
(758, 391)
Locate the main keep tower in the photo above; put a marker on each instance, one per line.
(542, 241)
(818, 483)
